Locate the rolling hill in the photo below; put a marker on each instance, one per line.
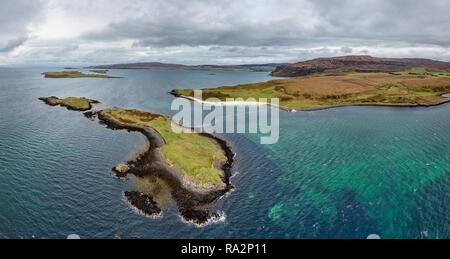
(163, 66)
(362, 64)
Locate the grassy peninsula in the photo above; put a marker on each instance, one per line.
(195, 168)
(74, 74)
(196, 155)
(71, 103)
(415, 87)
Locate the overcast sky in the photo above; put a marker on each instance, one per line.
(59, 32)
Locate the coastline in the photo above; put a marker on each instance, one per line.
(195, 201)
(176, 94)
(377, 105)
(286, 109)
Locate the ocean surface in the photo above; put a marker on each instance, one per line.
(338, 173)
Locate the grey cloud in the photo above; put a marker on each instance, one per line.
(229, 32)
(174, 23)
(12, 44)
(346, 50)
(15, 16)
(168, 35)
(411, 21)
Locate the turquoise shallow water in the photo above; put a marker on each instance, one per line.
(339, 173)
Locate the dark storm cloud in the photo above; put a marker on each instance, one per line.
(182, 29)
(15, 17)
(302, 23)
(219, 31)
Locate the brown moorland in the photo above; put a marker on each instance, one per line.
(328, 90)
(357, 64)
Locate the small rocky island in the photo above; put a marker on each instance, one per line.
(195, 167)
(75, 74)
(71, 103)
(99, 71)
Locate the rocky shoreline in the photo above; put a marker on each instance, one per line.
(143, 202)
(195, 201)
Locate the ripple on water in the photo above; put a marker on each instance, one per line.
(347, 172)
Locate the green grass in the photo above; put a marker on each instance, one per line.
(76, 102)
(73, 74)
(422, 71)
(392, 86)
(194, 154)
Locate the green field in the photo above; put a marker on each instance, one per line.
(422, 71)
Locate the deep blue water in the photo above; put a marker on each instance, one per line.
(339, 173)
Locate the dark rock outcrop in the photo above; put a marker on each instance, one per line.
(143, 202)
(194, 205)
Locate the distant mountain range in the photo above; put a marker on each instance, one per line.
(162, 66)
(364, 64)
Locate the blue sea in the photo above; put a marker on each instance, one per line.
(339, 173)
